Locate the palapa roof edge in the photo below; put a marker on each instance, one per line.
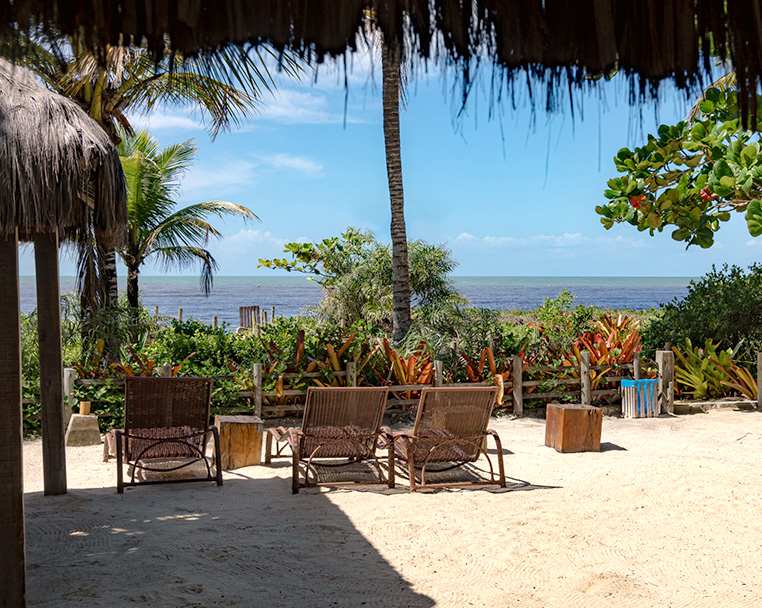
(58, 168)
(650, 40)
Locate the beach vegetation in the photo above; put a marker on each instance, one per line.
(693, 176)
(157, 230)
(725, 305)
(356, 272)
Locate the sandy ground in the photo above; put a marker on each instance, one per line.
(668, 514)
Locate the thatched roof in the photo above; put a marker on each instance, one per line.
(648, 39)
(58, 168)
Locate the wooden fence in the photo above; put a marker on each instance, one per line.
(515, 393)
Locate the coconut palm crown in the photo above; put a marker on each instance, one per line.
(156, 230)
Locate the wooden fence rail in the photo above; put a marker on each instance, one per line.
(514, 392)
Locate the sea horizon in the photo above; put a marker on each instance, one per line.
(291, 295)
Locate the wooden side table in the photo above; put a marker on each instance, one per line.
(573, 428)
(240, 441)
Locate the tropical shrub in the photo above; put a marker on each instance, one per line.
(724, 305)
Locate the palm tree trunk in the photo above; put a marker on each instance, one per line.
(107, 260)
(132, 287)
(401, 319)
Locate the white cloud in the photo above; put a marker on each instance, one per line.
(295, 107)
(288, 161)
(219, 178)
(566, 240)
(156, 121)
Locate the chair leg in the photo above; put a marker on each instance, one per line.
(295, 472)
(411, 464)
(500, 466)
(390, 480)
(268, 447)
(217, 453)
(119, 471)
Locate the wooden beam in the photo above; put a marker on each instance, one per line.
(51, 364)
(12, 555)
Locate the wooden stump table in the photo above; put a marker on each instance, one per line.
(240, 441)
(573, 428)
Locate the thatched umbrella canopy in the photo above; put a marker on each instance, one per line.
(650, 40)
(59, 174)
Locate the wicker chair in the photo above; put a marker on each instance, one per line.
(450, 430)
(165, 419)
(340, 423)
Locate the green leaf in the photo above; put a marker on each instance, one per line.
(754, 218)
(681, 234)
(727, 181)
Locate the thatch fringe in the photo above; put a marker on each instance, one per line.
(550, 40)
(58, 168)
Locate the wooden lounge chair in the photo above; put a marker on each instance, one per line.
(165, 420)
(450, 431)
(340, 423)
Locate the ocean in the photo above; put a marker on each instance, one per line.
(291, 294)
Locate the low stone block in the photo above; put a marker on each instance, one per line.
(83, 430)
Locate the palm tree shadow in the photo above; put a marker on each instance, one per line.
(248, 542)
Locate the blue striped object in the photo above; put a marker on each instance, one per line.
(639, 398)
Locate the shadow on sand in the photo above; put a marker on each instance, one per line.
(248, 543)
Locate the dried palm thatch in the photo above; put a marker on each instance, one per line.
(58, 168)
(552, 41)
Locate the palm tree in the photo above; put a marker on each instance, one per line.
(392, 92)
(124, 81)
(155, 229)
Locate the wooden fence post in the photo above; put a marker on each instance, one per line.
(166, 371)
(438, 381)
(256, 377)
(351, 373)
(214, 321)
(665, 360)
(180, 315)
(636, 366)
(272, 314)
(518, 395)
(584, 378)
(69, 376)
(759, 377)
(264, 318)
(155, 311)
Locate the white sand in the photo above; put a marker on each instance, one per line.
(669, 514)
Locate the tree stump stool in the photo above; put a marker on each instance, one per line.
(240, 441)
(573, 428)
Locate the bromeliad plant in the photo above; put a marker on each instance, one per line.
(701, 372)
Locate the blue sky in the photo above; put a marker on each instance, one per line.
(510, 194)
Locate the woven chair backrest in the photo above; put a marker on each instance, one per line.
(347, 407)
(455, 412)
(167, 403)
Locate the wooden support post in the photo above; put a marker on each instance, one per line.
(69, 376)
(180, 315)
(51, 364)
(665, 360)
(351, 373)
(518, 394)
(256, 377)
(264, 318)
(257, 315)
(438, 379)
(12, 556)
(759, 379)
(272, 314)
(584, 378)
(636, 366)
(166, 371)
(214, 322)
(155, 311)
